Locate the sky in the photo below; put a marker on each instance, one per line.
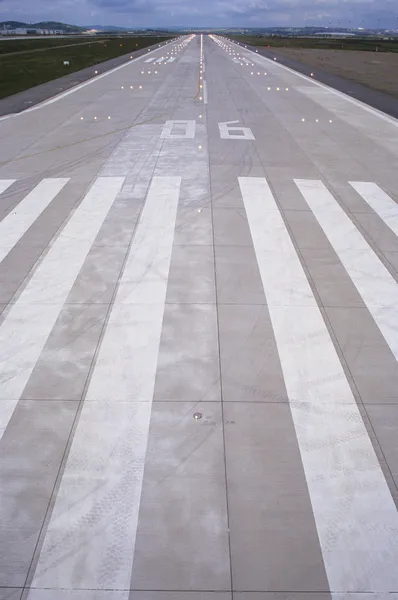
(206, 13)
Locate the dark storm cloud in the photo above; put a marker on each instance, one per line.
(256, 13)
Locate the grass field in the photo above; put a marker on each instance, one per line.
(362, 44)
(28, 63)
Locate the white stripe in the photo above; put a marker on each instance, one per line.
(27, 326)
(5, 184)
(205, 98)
(95, 517)
(158, 60)
(17, 223)
(172, 59)
(377, 287)
(355, 515)
(150, 59)
(381, 203)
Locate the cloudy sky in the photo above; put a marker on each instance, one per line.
(206, 13)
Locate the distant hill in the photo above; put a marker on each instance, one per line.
(42, 25)
(59, 26)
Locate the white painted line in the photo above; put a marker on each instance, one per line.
(17, 223)
(30, 320)
(171, 59)
(377, 287)
(78, 87)
(95, 517)
(355, 515)
(231, 133)
(5, 184)
(3, 118)
(159, 60)
(185, 130)
(205, 97)
(366, 107)
(150, 59)
(379, 201)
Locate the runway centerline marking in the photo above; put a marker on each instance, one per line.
(205, 96)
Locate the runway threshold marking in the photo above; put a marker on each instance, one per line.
(372, 279)
(115, 416)
(31, 319)
(355, 515)
(379, 201)
(18, 221)
(5, 184)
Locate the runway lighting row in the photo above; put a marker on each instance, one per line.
(303, 120)
(278, 89)
(131, 87)
(108, 118)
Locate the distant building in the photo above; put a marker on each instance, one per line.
(30, 31)
(18, 31)
(334, 34)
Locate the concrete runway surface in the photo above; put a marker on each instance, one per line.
(199, 337)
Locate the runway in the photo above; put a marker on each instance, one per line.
(199, 336)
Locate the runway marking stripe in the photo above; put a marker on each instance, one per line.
(205, 96)
(150, 59)
(377, 287)
(30, 320)
(345, 481)
(17, 223)
(172, 59)
(95, 522)
(379, 201)
(5, 184)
